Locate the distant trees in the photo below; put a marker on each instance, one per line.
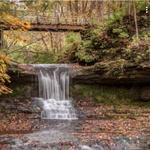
(135, 20)
(58, 12)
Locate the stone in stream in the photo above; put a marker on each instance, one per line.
(62, 140)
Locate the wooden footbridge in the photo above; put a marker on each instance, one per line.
(46, 23)
(52, 27)
(47, 28)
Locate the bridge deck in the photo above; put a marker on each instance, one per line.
(51, 27)
(57, 27)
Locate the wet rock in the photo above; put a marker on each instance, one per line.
(6, 140)
(50, 136)
(20, 105)
(10, 140)
(85, 147)
(119, 143)
(145, 94)
(98, 74)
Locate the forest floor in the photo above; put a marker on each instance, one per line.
(98, 126)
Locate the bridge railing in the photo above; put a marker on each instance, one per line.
(46, 18)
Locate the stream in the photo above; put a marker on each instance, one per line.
(55, 122)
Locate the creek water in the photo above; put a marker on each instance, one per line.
(53, 80)
(59, 129)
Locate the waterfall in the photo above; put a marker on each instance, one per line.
(53, 86)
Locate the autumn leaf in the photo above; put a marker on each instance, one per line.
(14, 22)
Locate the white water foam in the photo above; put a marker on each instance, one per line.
(54, 92)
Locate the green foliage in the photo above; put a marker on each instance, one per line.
(115, 17)
(72, 42)
(121, 33)
(116, 67)
(85, 57)
(108, 95)
(85, 54)
(44, 58)
(141, 5)
(72, 37)
(137, 53)
(114, 45)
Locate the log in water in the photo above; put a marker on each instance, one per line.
(54, 91)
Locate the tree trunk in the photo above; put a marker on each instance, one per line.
(1, 39)
(135, 20)
(100, 10)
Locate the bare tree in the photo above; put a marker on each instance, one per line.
(135, 20)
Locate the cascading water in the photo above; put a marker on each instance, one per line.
(54, 91)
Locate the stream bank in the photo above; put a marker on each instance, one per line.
(100, 126)
(111, 117)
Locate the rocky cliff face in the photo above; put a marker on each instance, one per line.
(132, 75)
(100, 74)
(96, 74)
(22, 73)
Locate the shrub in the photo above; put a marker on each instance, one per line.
(4, 61)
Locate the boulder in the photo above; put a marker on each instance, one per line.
(145, 94)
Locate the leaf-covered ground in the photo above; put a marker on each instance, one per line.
(105, 122)
(97, 123)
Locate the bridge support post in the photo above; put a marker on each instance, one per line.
(1, 38)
